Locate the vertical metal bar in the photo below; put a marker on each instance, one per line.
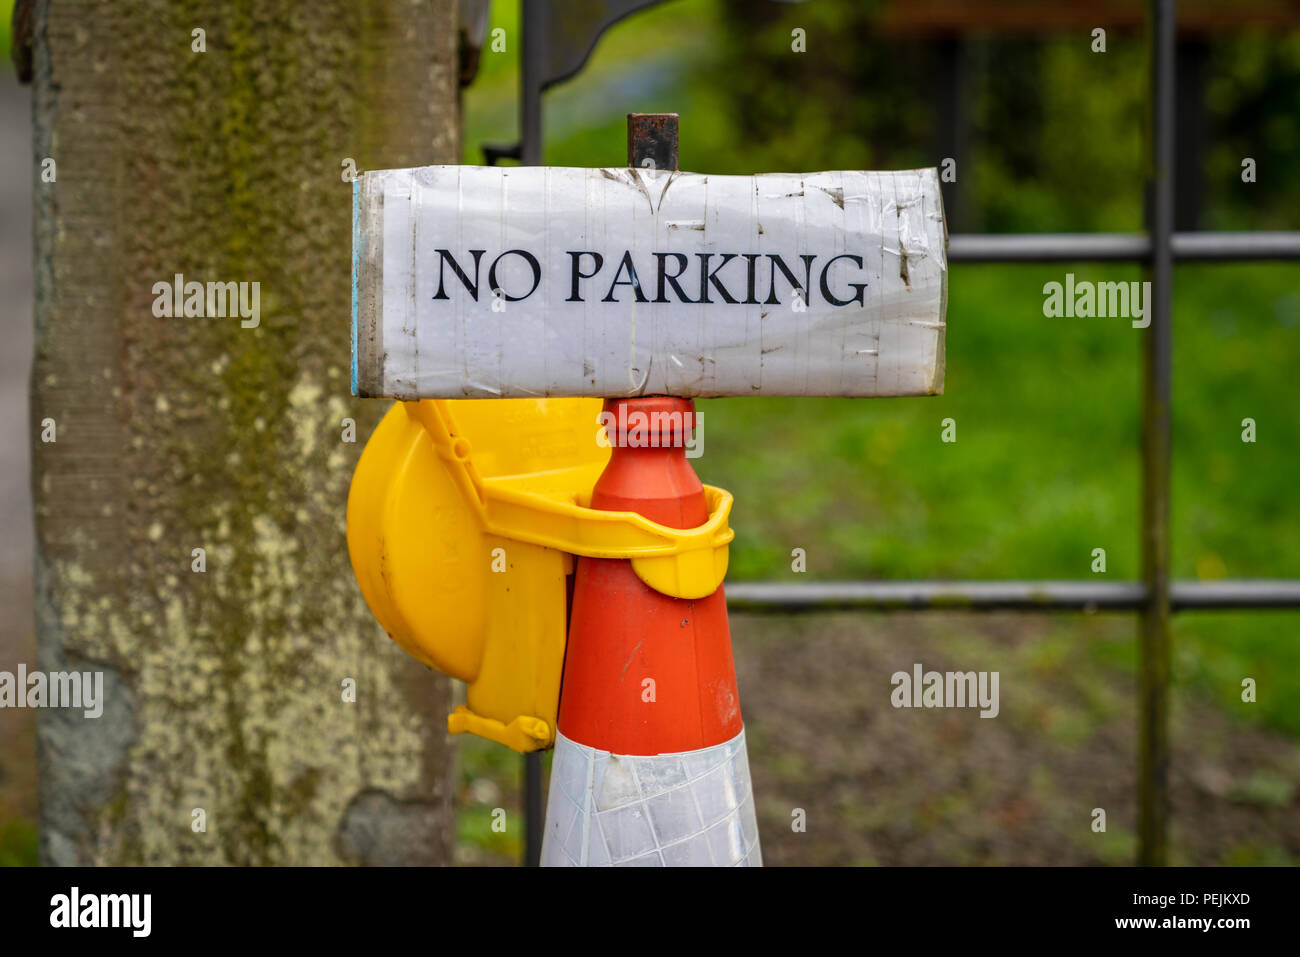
(533, 59)
(952, 93)
(1153, 679)
(533, 806)
(533, 55)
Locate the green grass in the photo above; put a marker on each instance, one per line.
(490, 780)
(18, 847)
(1046, 463)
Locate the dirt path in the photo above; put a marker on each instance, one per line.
(887, 786)
(882, 785)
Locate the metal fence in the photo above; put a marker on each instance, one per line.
(1155, 596)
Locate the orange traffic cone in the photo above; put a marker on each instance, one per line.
(650, 765)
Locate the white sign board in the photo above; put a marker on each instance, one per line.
(544, 281)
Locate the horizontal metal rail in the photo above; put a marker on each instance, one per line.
(791, 597)
(1120, 247)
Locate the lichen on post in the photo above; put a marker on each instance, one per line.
(190, 514)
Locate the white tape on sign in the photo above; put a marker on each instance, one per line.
(476, 281)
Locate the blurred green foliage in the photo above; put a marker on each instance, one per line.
(489, 778)
(1046, 467)
(1047, 464)
(1057, 131)
(6, 28)
(18, 843)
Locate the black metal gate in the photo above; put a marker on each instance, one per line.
(1155, 597)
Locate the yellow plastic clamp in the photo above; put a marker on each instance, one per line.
(462, 521)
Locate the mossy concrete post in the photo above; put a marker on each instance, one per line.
(253, 712)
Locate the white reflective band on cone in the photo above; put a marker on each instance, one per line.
(695, 808)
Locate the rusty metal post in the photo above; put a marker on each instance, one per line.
(652, 140)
